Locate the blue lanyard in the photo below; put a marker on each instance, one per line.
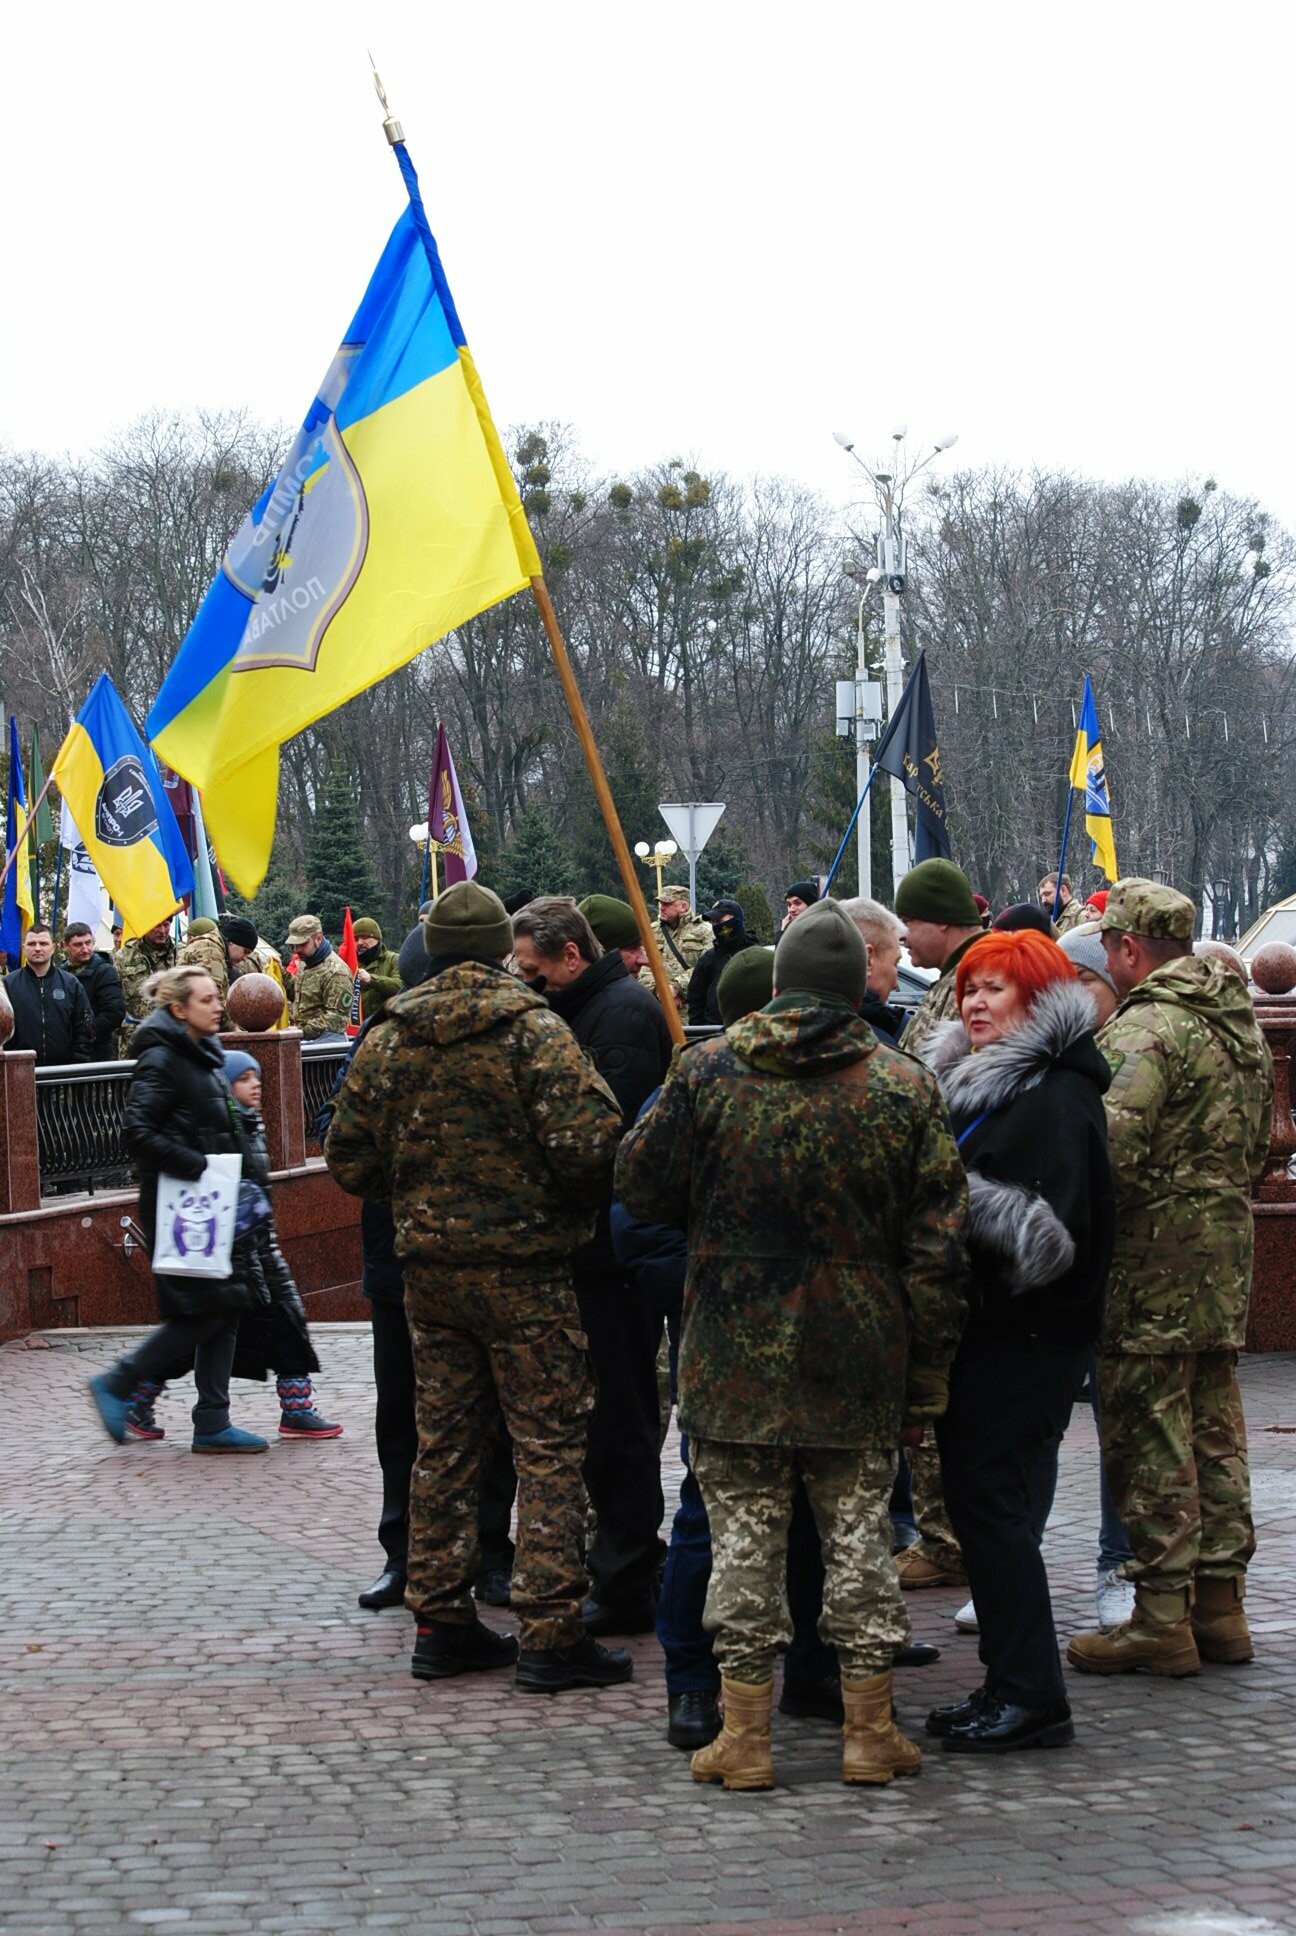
(974, 1124)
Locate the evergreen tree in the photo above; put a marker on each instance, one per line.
(632, 777)
(338, 871)
(535, 857)
(757, 913)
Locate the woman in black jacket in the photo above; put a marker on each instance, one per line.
(1024, 1082)
(179, 1111)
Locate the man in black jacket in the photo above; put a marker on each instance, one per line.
(622, 1027)
(883, 935)
(103, 989)
(731, 937)
(51, 1013)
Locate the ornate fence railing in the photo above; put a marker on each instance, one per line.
(320, 1062)
(79, 1117)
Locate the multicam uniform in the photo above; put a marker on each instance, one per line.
(320, 994)
(1189, 1116)
(472, 1108)
(824, 1300)
(1070, 916)
(135, 961)
(208, 951)
(681, 948)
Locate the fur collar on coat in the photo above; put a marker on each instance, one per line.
(987, 1079)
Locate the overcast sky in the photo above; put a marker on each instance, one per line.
(704, 229)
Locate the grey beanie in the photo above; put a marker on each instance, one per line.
(468, 920)
(822, 950)
(1083, 948)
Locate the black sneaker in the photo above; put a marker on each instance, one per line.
(693, 1719)
(463, 1648)
(548, 1670)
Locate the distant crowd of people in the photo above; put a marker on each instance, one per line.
(888, 1250)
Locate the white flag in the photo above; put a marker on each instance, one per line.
(85, 891)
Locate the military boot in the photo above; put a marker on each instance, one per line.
(740, 1754)
(1218, 1622)
(873, 1748)
(1158, 1638)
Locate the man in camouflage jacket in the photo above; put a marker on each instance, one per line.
(204, 947)
(135, 961)
(471, 1109)
(682, 939)
(1189, 1115)
(320, 992)
(825, 1204)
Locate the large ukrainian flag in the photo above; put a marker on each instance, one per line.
(395, 517)
(114, 794)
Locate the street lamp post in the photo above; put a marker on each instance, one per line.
(657, 857)
(891, 572)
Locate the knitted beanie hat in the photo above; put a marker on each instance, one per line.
(745, 985)
(242, 933)
(807, 891)
(468, 920)
(822, 951)
(1084, 949)
(366, 928)
(238, 1063)
(201, 926)
(613, 921)
(937, 890)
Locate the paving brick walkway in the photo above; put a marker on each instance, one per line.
(200, 1730)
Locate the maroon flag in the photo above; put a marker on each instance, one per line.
(447, 821)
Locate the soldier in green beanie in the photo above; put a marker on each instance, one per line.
(378, 972)
(615, 926)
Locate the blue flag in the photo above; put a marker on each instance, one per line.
(17, 914)
(114, 792)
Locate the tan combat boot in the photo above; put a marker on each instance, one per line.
(873, 1748)
(1158, 1639)
(740, 1754)
(1218, 1622)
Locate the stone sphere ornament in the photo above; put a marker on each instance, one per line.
(1273, 968)
(255, 1003)
(6, 1016)
(1221, 951)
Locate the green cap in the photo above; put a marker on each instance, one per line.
(366, 929)
(937, 890)
(468, 920)
(745, 985)
(823, 951)
(613, 921)
(1150, 909)
(200, 927)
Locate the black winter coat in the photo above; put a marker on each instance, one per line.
(622, 1029)
(273, 1334)
(703, 1000)
(180, 1111)
(103, 990)
(51, 1015)
(886, 1023)
(1028, 1112)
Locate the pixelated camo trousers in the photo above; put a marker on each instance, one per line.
(748, 1490)
(475, 1340)
(1175, 1454)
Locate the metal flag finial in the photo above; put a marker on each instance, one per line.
(391, 127)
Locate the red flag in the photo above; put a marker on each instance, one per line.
(346, 950)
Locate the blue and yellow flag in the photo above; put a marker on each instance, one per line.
(1088, 773)
(113, 791)
(394, 519)
(17, 915)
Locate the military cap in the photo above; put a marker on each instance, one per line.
(366, 929)
(672, 891)
(613, 921)
(938, 891)
(303, 929)
(1148, 908)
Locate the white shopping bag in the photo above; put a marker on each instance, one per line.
(195, 1221)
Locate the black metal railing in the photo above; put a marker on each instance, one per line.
(80, 1110)
(320, 1062)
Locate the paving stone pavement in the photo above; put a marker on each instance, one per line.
(200, 1730)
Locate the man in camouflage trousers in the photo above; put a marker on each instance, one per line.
(135, 961)
(319, 994)
(934, 900)
(682, 939)
(818, 1178)
(471, 1108)
(1189, 1115)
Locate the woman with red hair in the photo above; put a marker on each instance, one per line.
(1024, 1082)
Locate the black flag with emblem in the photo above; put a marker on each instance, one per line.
(910, 750)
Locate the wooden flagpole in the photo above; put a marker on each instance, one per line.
(603, 793)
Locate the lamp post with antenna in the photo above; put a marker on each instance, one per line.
(890, 482)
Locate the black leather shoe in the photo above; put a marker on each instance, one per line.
(635, 1617)
(444, 1649)
(694, 1719)
(813, 1700)
(1001, 1726)
(942, 1719)
(919, 1653)
(550, 1670)
(494, 1589)
(388, 1590)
